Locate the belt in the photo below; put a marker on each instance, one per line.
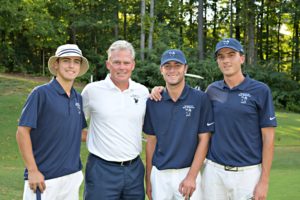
(232, 168)
(122, 163)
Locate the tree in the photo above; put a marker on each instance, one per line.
(143, 8)
(200, 30)
(151, 29)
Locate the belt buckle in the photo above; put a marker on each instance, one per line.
(231, 168)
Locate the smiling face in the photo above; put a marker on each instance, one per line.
(173, 73)
(120, 65)
(230, 61)
(67, 68)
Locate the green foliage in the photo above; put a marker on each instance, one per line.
(31, 30)
(285, 91)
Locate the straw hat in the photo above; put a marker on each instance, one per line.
(68, 50)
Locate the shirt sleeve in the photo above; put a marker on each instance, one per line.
(148, 127)
(266, 110)
(30, 110)
(85, 102)
(84, 124)
(206, 123)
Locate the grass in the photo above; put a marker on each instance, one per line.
(285, 174)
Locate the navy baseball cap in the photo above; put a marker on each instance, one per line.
(229, 43)
(172, 55)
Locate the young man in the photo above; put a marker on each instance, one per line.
(241, 150)
(49, 131)
(116, 107)
(177, 129)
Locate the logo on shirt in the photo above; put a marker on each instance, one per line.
(209, 124)
(78, 107)
(188, 110)
(135, 98)
(272, 118)
(244, 97)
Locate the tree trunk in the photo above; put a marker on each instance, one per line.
(237, 21)
(215, 21)
(150, 46)
(251, 31)
(116, 16)
(278, 39)
(267, 32)
(200, 30)
(204, 27)
(231, 20)
(295, 49)
(260, 28)
(142, 45)
(125, 20)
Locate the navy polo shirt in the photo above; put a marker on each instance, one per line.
(239, 115)
(56, 122)
(176, 126)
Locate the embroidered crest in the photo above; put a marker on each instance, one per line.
(135, 98)
(78, 107)
(244, 97)
(172, 53)
(226, 42)
(188, 110)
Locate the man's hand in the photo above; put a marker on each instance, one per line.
(187, 187)
(36, 180)
(260, 191)
(149, 190)
(156, 93)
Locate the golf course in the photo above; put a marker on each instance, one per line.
(285, 174)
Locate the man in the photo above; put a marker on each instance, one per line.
(116, 107)
(177, 131)
(241, 149)
(49, 131)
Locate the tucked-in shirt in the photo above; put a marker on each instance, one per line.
(56, 122)
(176, 126)
(239, 115)
(116, 119)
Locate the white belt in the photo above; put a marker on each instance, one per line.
(231, 168)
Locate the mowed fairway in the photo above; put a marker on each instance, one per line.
(285, 175)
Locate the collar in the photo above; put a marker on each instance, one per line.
(111, 84)
(183, 95)
(242, 86)
(59, 89)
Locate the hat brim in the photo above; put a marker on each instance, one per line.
(172, 59)
(83, 67)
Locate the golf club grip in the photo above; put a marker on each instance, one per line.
(38, 194)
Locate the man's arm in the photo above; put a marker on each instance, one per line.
(188, 185)
(150, 147)
(35, 177)
(84, 133)
(261, 189)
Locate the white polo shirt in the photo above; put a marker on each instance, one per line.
(116, 119)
